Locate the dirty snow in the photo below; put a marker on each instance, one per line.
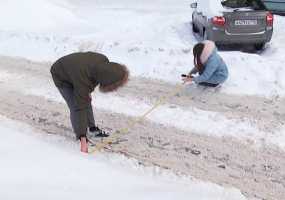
(36, 167)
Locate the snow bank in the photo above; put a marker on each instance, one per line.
(35, 15)
(254, 75)
(36, 168)
(153, 38)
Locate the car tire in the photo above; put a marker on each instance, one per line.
(220, 46)
(205, 35)
(194, 28)
(259, 46)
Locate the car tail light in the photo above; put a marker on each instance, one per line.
(269, 19)
(220, 21)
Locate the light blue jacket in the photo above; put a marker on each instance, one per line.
(215, 72)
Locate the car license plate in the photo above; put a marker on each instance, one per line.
(245, 22)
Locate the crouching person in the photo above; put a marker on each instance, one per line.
(212, 70)
(76, 76)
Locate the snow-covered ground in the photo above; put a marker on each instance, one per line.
(191, 119)
(36, 167)
(153, 38)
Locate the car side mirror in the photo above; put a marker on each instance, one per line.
(193, 5)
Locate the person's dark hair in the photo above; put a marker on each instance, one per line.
(197, 52)
(117, 75)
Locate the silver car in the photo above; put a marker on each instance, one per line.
(233, 21)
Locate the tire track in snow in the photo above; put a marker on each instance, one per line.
(257, 172)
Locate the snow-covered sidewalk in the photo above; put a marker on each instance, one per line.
(34, 166)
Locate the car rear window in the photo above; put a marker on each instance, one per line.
(251, 4)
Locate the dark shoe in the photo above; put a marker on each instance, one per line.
(208, 84)
(94, 129)
(102, 134)
(97, 132)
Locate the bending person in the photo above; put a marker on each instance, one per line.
(76, 76)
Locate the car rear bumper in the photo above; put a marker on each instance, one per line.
(221, 36)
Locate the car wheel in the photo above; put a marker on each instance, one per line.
(194, 28)
(259, 46)
(220, 46)
(205, 35)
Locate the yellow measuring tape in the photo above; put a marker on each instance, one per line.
(120, 132)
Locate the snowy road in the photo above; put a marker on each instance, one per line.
(238, 129)
(250, 162)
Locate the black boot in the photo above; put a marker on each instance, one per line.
(97, 132)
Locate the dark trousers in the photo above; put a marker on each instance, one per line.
(68, 95)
